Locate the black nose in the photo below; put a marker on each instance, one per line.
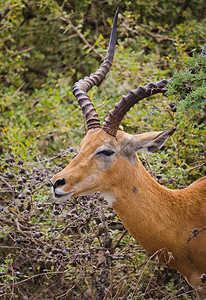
(59, 182)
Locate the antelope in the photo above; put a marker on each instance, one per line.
(160, 219)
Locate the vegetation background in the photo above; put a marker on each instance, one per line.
(80, 250)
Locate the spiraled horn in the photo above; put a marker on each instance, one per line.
(116, 115)
(81, 87)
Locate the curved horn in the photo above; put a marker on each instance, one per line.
(116, 115)
(81, 87)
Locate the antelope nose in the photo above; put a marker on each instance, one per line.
(59, 182)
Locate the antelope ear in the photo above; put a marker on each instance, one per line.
(151, 142)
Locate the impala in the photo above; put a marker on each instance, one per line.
(160, 219)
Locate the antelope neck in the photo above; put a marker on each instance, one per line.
(147, 210)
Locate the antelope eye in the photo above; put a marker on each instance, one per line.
(106, 152)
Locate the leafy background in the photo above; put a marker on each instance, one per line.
(80, 250)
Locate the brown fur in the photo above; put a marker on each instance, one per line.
(158, 218)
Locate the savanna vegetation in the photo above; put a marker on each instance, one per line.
(80, 249)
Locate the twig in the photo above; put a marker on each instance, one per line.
(82, 37)
(23, 50)
(67, 292)
(174, 144)
(4, 181)
(151, 171)
(195, 232)
(8, 247)
(37, 275)
(19, 88)
(119, 240)
(65, 19)
(157, 36)
(197, 167)
(17, 225)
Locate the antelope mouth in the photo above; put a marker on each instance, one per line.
(61, 196)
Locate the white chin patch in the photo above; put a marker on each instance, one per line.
(61, 195)
(109, 197)
(60, 192)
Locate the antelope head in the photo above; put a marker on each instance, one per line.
(104, 149)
